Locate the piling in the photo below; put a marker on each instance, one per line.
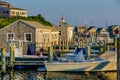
(67, 45)
(59, 44)
(12, 56)
(100, 47)
(63, 46)
(118, 59)
(88, 52)
(50, 53)
(3, 60)
(78, 44)
(108, 47)
(81, 44)
(115, 44)
(11, 74)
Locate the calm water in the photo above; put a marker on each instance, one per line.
(35, 75)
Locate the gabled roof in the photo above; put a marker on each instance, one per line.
(33, 24)
(37, 25)
(91, 27)
(99, 29)
(63, 24)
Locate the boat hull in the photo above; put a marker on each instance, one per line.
(82, 66)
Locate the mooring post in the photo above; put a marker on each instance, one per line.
(60, 44)
(118, 59)
(67, 45)
(88, 51)
(81, 44)
(3, 59)
(100, 47)
(63, 45)
(50, 53)
(11, 74)
(12, 56)
(108, 47)
(115, 44)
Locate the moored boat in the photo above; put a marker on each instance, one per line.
(102, 63)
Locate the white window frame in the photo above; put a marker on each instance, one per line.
(12, 38)
(25, 37)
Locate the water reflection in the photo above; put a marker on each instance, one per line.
(35, 75)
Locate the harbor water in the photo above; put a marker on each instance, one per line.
(37, 75)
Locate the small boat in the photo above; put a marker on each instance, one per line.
(77, 62)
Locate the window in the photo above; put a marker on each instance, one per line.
(28, 37)
(60, 33)
(40, 37)
(10, 36)
(3, 12)
(7, 12)
(46, 38)
(59, 25)
(13, 12)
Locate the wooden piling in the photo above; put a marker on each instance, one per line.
(12, 56)
(118, 59)
(11, 74)
(3, 60)
(88, 52)
(67, 45)
(59, 44)
(108, 47)
(50, 53)
(115, 44)
(100, 48)
(63, 46)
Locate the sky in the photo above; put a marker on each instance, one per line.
(100, 13)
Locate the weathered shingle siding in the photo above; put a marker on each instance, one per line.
(19, 29)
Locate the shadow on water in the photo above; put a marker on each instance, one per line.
(36, 75)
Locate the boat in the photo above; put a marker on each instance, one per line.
(76, 62)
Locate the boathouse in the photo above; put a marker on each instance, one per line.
(28, 36)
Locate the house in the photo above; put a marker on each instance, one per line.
(28, 35)
(81, 30)
(92, 30)
(101, 30)
(103, 34)
(65, 30)
(113, 30)
(7, 10)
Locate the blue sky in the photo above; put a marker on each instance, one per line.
(75, 12)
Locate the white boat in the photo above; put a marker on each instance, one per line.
(70, 63)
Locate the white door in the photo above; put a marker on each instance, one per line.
(18, 48)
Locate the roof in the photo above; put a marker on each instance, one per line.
(13, 8)
(99, 29)
(37, 25)
(63, 24)
(3, 3)
(16, 8)
(91, 27)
